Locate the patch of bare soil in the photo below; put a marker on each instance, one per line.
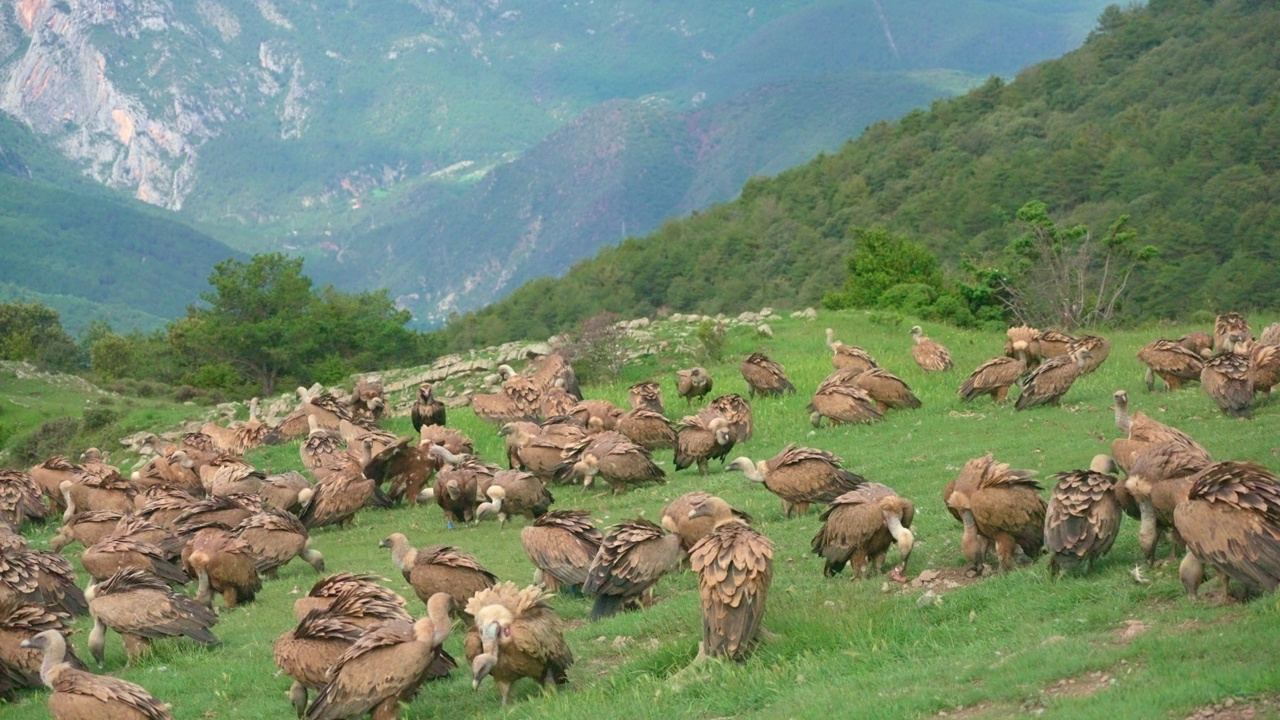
(1256, 708)
(938, 581)
(1130, 630)
(1079, 687)
(981, 710)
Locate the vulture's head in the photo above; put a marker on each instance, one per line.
(1121, 398)
(393, 540)
(742, 465)
(916, 332)
(44, 640)
(1102, 463)
(424, 392)
(815, 419)
(93, 454)
(494, 623)
(720, 427)
(481, 666)
(715, 508)
(906, 541)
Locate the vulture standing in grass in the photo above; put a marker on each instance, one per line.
(1099, 350)
(367, 400)
(596, 415)
(848, 357)
(41, 578)
(363, 600)
(514, 492)
(20, 667)
(615, 459)
(276, 537)
(142, 608)
(20, 499)
(553, 370)
(281, 491)
(114, 553)
(516, 635)
(675, 518)
(1083, 516)
(1227, 380)
(223, 563)
(993, 377)
(337, 499)
(633, 556)
(561, 544)
(1141, 431)
(539, 449)
(1230, 521)
(1230, 329)
(225, 511)
(765, 377)
(693, 383)
(457, 487)
(996, 505)
(734, 564)
(931, 356)
(405, 466)
(427, 410)
(1054, 343)
(1200, 343)
(859, 527)
(1271, 335)
(649, 429)
(322, 453)
(81, 695)
(1023, 343)
(701, 438)
(1264, 366)
(887, 390)
(800, 476)
(307, 651)
(1048, 383)
(1160, 478)
(385, 667)
(646, 395)
(229, 475)
(1174, 363)
(87, 492)
(438, 568)
(86, 528)
(49, 476)
(734, 408)
(843, 405)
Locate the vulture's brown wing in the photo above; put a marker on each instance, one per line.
(102, 696)
(735, 568)
(1083, 515)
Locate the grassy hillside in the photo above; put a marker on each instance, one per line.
(1167, 114)
(1093, 646)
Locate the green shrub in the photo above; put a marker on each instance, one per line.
(53, 437)
(216, 376)
(711, 334)
(909, 298)
(96, 418)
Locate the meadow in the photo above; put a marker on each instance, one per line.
(1107, 644)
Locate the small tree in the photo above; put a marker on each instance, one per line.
(598, 350)
(880, 261)
(1066, 276)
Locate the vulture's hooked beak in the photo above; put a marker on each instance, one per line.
(481, 667)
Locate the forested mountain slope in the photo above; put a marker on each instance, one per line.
(1169, 113)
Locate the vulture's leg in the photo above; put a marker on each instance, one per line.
(298, 696)
(1004, 551)
(1151, 380)
(504, 690)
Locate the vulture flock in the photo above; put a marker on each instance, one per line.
(199, 522)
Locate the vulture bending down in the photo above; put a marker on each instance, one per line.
(765, 377)
(632, 557)
(364, 599)
(646, 395)
(141, 607)
(931, 356)
(997, 505)
(516, 635)
(1229, 330)
(859, 527)
(693, 383)
(993, 377)
(1159, 478)
(1083, 516)
(1172, 361)
(78, 694)
(800, 476)
(734, 564)
(702, 438)
(561, 545)
(1231, 521)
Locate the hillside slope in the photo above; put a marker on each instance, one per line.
(1167, 114)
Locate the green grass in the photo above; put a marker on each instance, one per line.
(846, 648)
